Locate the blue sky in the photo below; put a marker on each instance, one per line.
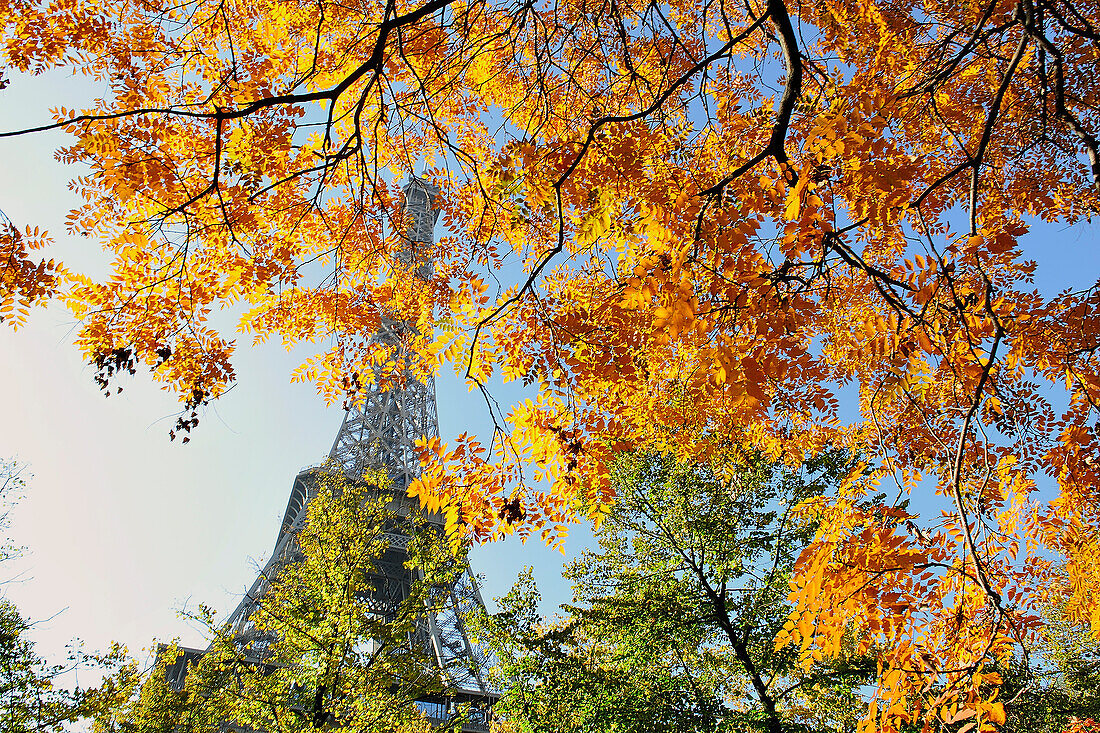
(123, 527)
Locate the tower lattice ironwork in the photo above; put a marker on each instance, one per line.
(378, 433)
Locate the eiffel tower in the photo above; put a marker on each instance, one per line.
(378, 433)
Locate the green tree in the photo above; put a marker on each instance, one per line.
(1059, 682)
(674, 617)
(323, 654)
(31, 698)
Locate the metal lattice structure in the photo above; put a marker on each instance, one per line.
(378, 433)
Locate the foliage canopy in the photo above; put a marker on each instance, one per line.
(693, 224)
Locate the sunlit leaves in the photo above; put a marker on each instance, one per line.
(639, 221)
(24, 282)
